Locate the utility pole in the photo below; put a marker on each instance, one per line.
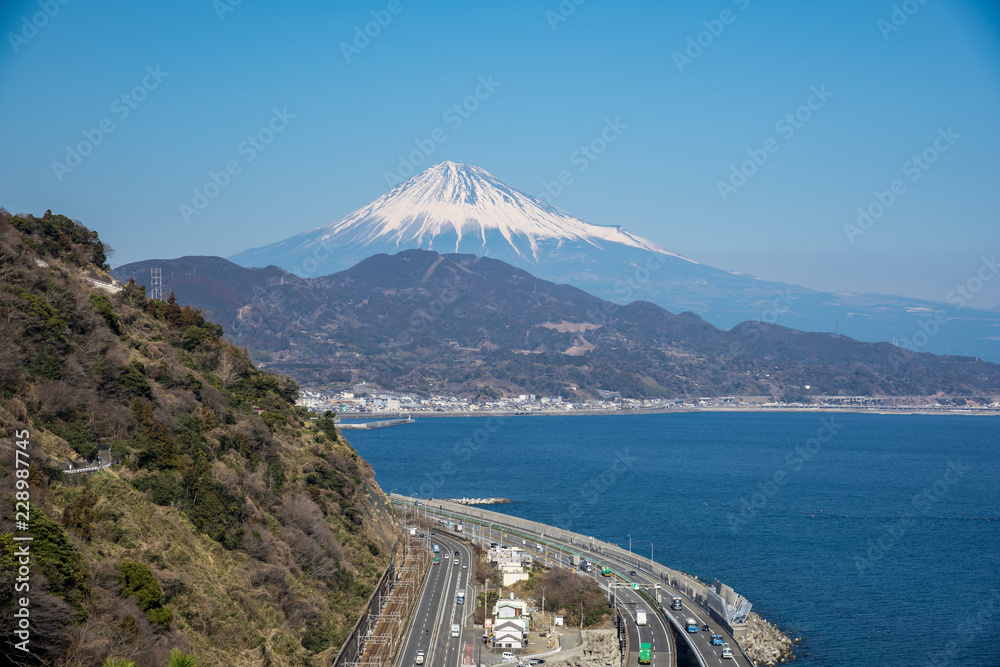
(543, 604)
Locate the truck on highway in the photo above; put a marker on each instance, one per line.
(437, 548)
(645, 653)
(716, 640)
(675, 603)
(585, 565)
(574, 559)
(605, 571)
(459, 528)
(437, 559)
(460, 596)
(640, 617)
(691, 625)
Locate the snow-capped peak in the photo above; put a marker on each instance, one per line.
(467, 205)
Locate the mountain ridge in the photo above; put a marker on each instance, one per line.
(457, 323)
(464, 209)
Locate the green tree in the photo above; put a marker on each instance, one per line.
(107, 311)
(133, 381)
(138, 582)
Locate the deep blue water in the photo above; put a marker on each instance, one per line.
(868, 538)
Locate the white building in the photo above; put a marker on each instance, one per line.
(508, 633)
(511, 623)
(510, 608)
(510, 574)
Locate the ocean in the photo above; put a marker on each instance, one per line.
(874, 538)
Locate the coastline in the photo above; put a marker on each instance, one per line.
(814, 409)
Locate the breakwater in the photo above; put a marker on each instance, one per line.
(370, 425)
(480, 501)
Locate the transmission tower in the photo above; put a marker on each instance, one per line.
(156, 284)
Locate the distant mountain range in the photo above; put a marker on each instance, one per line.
(457, 208)
(425, 322)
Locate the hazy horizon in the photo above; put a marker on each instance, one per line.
(302, 118)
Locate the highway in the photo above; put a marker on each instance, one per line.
(441, 599)
(701, 641)
(437, 608)
(655, 632)
(706, 654)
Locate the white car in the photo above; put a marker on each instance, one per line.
(507, 657)
(420, 658)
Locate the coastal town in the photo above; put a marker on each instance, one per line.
(364, 400)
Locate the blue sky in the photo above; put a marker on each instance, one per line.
(199, 79)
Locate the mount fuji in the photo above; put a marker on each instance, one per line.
(449, 207)
(459, 208)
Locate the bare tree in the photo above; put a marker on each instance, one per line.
(228, 370)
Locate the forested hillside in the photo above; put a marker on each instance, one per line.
(422, 322)
(231, 526)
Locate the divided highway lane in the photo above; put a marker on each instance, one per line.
(702, 640)
(655, 632)
(437, 608)
(708, 654)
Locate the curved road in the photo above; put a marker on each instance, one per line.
(437, 610)
(655, 632)
(707, 654)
